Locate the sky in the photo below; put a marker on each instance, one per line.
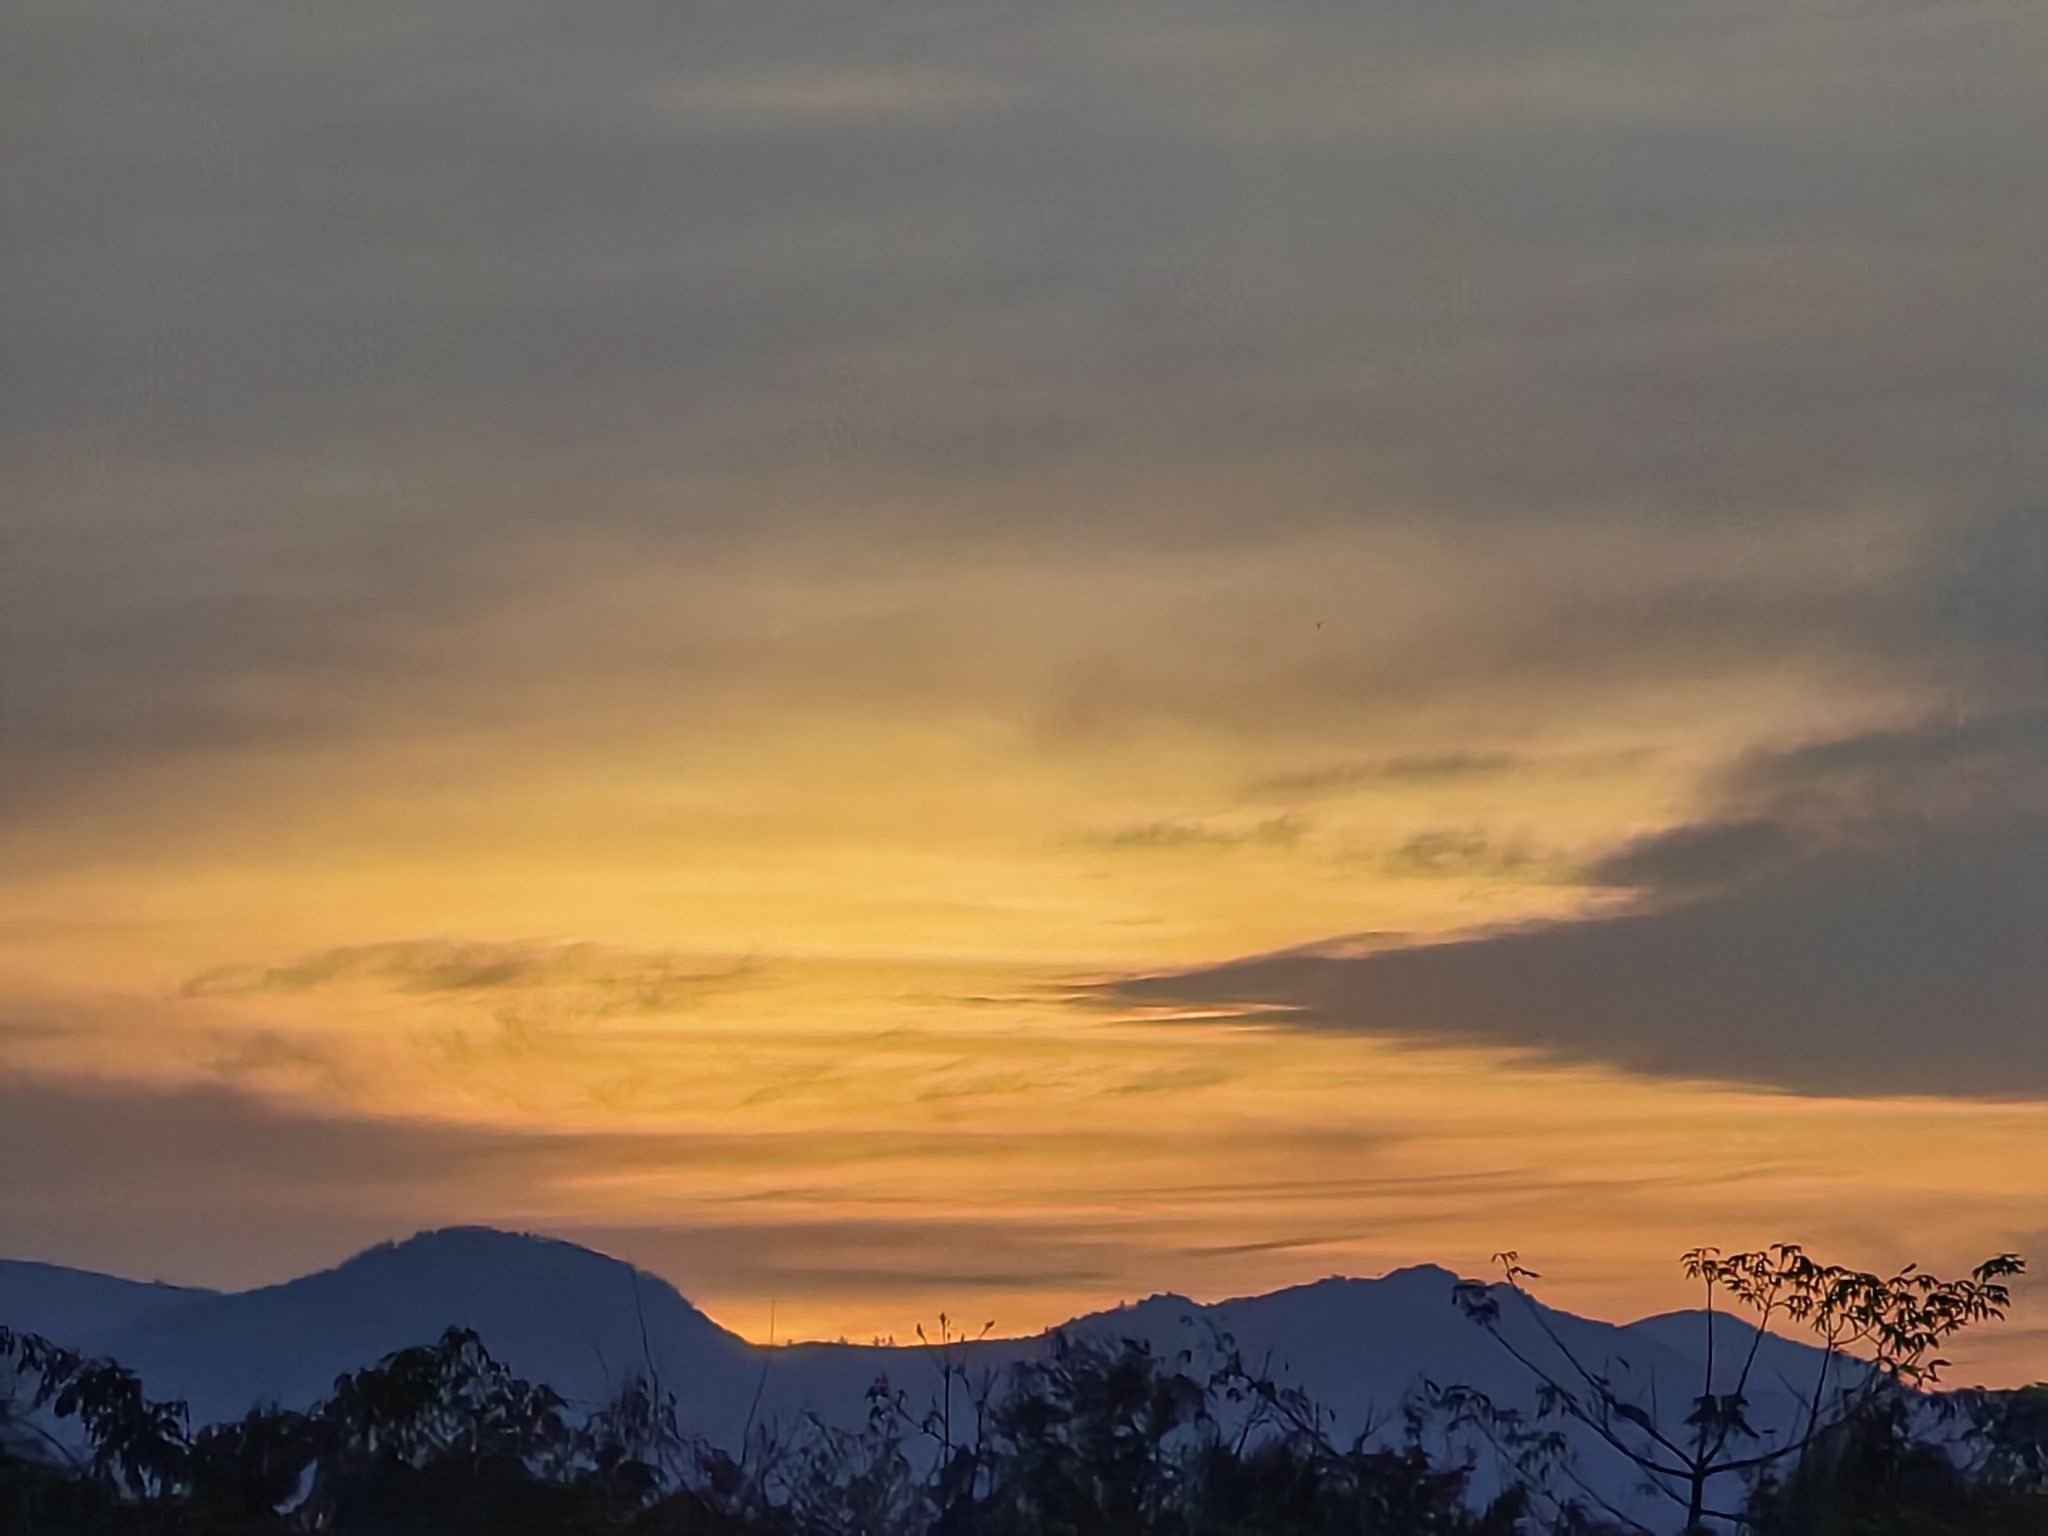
(991, 658)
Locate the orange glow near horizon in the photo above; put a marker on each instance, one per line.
(994, 659)
(780, 998)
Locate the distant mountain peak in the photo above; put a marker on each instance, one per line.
(474, 1242)
(1407, 1277)
(1410, 1279)
(1435, 1274)
(506, 1268)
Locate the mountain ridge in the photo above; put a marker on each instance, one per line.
(56, 1300)
(585, 1323)
(481, 1237)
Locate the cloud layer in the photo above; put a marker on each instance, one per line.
(1853, 916)
(324, 341)
(952, 499)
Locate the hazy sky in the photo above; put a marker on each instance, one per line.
(910, 656)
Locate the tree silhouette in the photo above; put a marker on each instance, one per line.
(1095, 1437)
(1878, 1334)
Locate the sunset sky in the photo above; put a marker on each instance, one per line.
(894, 657)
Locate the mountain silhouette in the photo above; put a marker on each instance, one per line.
(586, 1323)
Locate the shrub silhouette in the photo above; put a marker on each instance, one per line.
(1878, 1335)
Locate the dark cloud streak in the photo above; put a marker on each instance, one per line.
(1877, 932)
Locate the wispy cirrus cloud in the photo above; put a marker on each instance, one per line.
(1460, 852)
(1271, 832)
(1427, 768)
(613, 980)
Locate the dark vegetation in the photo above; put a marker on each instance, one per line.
(1878, 1336)
(1095, 1437)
